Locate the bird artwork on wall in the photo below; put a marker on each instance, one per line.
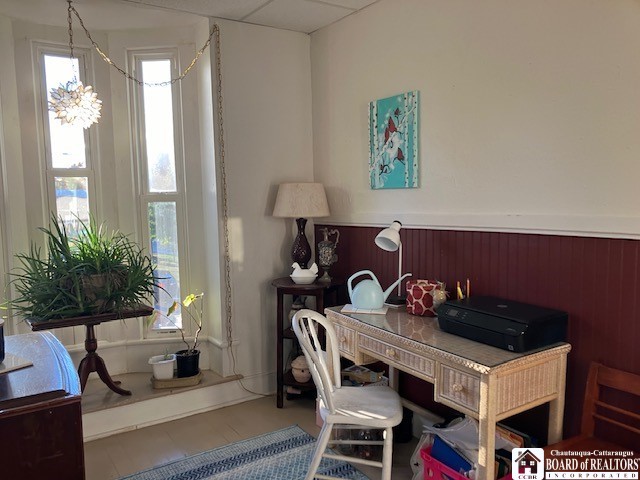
(393, 141)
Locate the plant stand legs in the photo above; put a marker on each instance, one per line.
(92, 362)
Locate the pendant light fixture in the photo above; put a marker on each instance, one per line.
(73, 103)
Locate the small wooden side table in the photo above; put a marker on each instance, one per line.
(285, 286)
(92, 362)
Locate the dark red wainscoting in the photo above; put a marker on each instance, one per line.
(595, 280)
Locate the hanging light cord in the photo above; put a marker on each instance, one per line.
(225, 210)
(70, 29)
(74, 80)
(124, 72)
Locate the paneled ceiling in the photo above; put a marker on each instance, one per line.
(298, 15)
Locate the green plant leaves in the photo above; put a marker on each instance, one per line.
(196, 316)
(91, 273)
(174, 306)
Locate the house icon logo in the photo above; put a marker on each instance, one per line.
(527, 464)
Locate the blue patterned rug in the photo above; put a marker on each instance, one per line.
(283, 455)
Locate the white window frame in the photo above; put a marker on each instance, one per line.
(83, 56)
(144, 195)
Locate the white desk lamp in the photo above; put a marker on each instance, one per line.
(389, 240)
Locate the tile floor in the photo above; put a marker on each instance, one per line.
(126, 453)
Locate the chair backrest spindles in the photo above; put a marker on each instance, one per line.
(304, 324)
(595, 407)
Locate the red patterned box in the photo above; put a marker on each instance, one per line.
(424, 296)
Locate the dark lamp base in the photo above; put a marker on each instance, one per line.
(396, 300)
(301, 250)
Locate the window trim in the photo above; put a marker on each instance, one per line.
(144, 197)
(47, 171)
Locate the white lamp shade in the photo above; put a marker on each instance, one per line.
(389, 238)
(301, 200)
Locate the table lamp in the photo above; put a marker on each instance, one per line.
(301, 201)
(389, 240)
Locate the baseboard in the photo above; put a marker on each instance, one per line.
(105, 423)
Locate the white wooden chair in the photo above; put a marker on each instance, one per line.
(374, 407)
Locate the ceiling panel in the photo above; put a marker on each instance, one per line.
(298, 15)
(354, 4)
(230, 9)
(96, 14)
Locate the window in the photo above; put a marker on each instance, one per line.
(158, 122)
(161, 185)
(69, 173)
(163, 237)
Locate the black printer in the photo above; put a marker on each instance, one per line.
(505, 324)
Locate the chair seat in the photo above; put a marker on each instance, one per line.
(375, 406)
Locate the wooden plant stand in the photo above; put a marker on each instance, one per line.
(92, 362)
(323, 292)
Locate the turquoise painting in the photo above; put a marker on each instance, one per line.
(393, 141)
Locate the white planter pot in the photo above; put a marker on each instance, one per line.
(163, 366)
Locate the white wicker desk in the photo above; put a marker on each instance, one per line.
(484, 382)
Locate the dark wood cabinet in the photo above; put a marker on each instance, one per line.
(40, 412)
(326, 294)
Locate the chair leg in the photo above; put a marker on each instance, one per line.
(321, 446)
(387, 454)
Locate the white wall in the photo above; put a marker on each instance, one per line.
(212, 211)
(529, 113)
(267, 125)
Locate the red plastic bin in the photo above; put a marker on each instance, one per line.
(435, 470)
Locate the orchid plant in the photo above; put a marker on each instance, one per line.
(193, 307)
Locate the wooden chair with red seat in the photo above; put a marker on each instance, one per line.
(597, 409)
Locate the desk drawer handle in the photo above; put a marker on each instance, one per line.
(456, 387)
(343, 339)
(390, 352)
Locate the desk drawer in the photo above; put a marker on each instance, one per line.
(460, 388)
(346, 341)
(423, 367)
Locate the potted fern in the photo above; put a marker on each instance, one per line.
(192, 306)
(90, 273)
